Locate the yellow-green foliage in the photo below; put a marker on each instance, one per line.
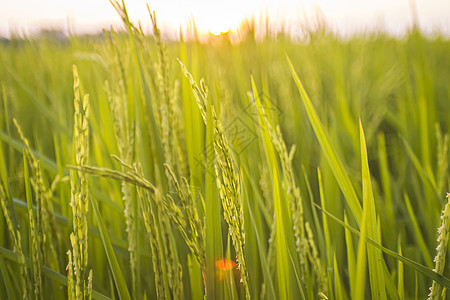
(256, 181)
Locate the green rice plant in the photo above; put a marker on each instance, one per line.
(117, 274)
(436, 291)
(304, 238)
(36, 235)
(25, 282)
(375, 260)
(167, 278)
(442, 159)
(360, 274)
(330, 153)
(119, 112)
(81, 286)
(194, 235)
(233, 187)
(401, 287)
(44, 222)
(227, 179)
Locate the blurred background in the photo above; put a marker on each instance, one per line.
(29, 17)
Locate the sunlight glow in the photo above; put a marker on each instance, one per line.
(216, 17)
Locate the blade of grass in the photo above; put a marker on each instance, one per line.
(326, 233)
(114, 265)
(39, 104)
(119, 244)
(281, 248)
(358, 291)
(338, 288)
(5, 183)
(400, 283)
(442, 280)
(18, 145)
(264, 264)
(299, 283)
(318, 227)
(283, 218)
(194, 273)
(49, 273)
(422, 173)
(418, 233)
(328, 149)
(7, 280)
(374, 257)
(353, 275)
(385, 176)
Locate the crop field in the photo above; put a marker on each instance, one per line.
(137, 167)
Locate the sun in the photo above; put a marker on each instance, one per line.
(218, 32)
(216, 25)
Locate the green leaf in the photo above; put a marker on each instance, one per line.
(119, 280)
(281, 248)
(264, 264)
(418, 233)
(444, 281)
(374, 257)
(358, 292)
(328, 150)
(400, 284)
(7, 280)
(353, 274)
(422, 173)
(5, 183)
(338, 288)
(49, 273)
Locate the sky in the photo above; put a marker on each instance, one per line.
(344, 16)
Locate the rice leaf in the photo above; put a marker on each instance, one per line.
(400, 281)
(374, 257)
(282, 259)
(330, 153)
(418, 233)
(10, 292)
(442, 280)
(49, 273)
(119, 280)
(420, 169)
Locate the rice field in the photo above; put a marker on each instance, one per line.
(135, 167)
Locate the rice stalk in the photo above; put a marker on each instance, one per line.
(70, 278)
(119, 112)
(196, 229)
(79, 196)
(444, 230)
(150, 225)
(306, 247)
(36, 256)
(45, 224)
(315, 261)
(174, 269)
(165, 104)
(442, 159)
(271, 252)
(24, 280)
(227, 179)
(35, 235)
(178, 133)
(188, 224)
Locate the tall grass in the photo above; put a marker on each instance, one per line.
(273, 168)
